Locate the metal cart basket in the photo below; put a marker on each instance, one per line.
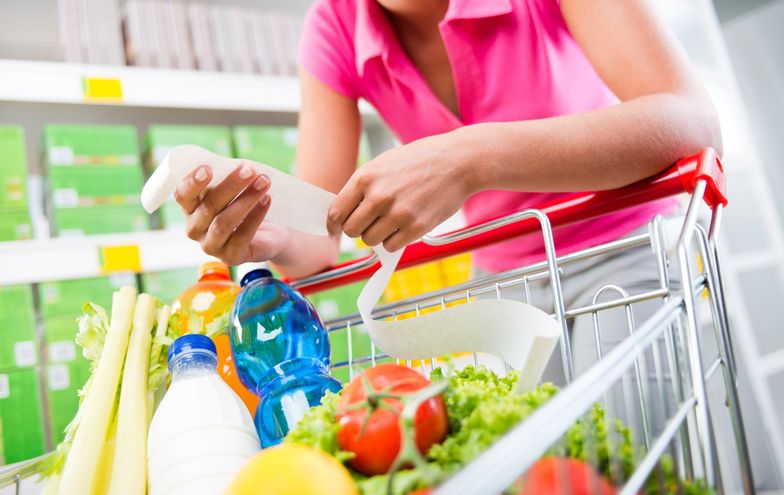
(661, 372)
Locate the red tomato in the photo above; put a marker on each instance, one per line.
(377, 447)
(561, 476)
(422, 491)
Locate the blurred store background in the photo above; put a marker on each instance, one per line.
(145, 75)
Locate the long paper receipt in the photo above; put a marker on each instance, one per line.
(520, 334)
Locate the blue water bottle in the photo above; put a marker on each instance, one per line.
(281, 350)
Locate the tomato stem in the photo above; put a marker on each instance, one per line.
(409, 452)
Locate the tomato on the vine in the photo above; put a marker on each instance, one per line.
(377, 447)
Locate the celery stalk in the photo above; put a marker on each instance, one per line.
(107, 460)
(81, 465)
(156, 374)
(129, 469)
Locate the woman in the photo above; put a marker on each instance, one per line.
(500, 104)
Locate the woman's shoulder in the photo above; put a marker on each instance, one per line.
(326, 46)
(339, 12)
(332, 21)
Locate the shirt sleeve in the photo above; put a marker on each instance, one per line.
(326, 50)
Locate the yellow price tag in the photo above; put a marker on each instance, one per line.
(120, 259)
(102, 89)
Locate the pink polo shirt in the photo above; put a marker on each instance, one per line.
(511, 60)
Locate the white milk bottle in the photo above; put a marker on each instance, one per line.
(202, 434)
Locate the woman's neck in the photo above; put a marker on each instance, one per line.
(415, 19)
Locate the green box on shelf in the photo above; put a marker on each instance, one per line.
(13, 168)
(66, 145)
(17, 327)
(271, 145)
(15, 224)
(161, 138)
(63, 383)
(66, 297)
(22, 417)
(167, 285)
(60, 339)
(277, 146)
(88, 185)
(101, 219)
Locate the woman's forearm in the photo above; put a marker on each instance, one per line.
(601, 149)
(305, 255)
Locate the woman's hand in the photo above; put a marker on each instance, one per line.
(227, 219)
(402, 194)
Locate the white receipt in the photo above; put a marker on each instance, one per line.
(520, 334)
(295, 203)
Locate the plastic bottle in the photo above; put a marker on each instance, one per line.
(201, 435)
(206, 304)
(281, 349)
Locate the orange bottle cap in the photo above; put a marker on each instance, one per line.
(215, 269)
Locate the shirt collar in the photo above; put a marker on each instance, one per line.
(373, 34)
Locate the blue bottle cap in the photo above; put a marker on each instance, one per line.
(191, 342)
(255, 275)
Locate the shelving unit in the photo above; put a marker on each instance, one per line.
(35, 93)
(66, 258)
(56, 82)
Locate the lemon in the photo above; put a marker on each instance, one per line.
(292, 469)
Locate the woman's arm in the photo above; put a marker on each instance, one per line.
(329, 132)
(228, 219)
(665, 114)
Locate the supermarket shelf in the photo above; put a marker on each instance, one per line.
(67, 258)
(56, 82)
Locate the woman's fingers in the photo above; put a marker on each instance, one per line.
(361, 218)
(218, 197)
(405, 236)
(189, 190)
(232, 216)
(381, 229)
(345, 203)
(396, 241)
(236, 248)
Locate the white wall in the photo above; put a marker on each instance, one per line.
(756, 46)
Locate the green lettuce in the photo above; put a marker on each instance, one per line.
(481, 408)
(318, 428)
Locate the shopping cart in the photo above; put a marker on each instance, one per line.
(663, 364)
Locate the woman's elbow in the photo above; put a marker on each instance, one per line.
(704, 123)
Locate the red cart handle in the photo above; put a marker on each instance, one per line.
(682, 177)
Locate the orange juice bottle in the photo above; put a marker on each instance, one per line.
(205, 308)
